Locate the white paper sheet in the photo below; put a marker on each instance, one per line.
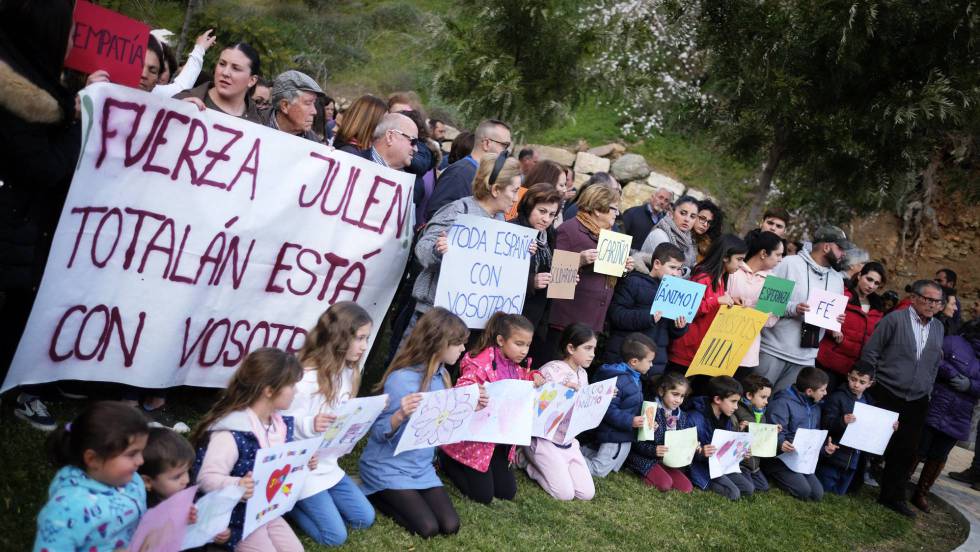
(871, 430)
(807, 443)
(731, 448)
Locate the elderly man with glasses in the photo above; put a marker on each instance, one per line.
(905, 349)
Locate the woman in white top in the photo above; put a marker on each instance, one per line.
(187, 77)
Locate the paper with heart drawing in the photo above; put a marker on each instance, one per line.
(279, 474)
(553, 403)
(161, 529)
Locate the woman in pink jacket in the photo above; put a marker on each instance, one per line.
(745, 284)
(481, 471)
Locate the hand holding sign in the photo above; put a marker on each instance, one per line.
(825, 308)
(727, 340)
(564, 275)
(677, 297)
(104, 39)
(612, 253)
(775, 295)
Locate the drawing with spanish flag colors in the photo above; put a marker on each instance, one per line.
(279, 474)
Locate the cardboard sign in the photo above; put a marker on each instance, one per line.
(564, 273)
(825, 307)
(213, 516)
(279, 475)
(354, 419)
(508, 416)
(485, 269)
(727, 340)
(807, 443)
(681, 446)
(775, 295)
(871, 430)
(648, 429)
(162, 527)
(764, 439)
(613, 249)
(172, 261)
(730, 449)
(104, 39)
(678, 297)
(440, 419)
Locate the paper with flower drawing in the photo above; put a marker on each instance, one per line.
(731, 447)
(508, 415)
(441, 418)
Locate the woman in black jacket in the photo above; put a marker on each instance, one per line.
(39, 145)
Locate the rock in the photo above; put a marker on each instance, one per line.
(696, 194)
(590, 164)
(561, 156)
(635, 193)
(582, 145)
(657, 181)
(446, 146)
(630, 167)
(451, 133)
(609, 150)
(580, 180)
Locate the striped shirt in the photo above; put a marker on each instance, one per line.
(920, 331)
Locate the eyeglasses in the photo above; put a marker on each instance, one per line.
(262, 103)
(506, 145)
(930, 300)
(412, 140)
(705, 220)
(614, 210)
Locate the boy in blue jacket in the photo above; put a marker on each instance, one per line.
(616, 432)
(795, 408)
(629, 311)
(714, 411)
(836, 471)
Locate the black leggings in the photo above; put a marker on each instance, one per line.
(497, 482)
(425, 512)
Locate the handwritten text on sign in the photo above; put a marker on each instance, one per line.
(825, 307)
(485, 269)
(728, 337)
(189, 238)
(678, 297)
(613, 249)
(104, 39)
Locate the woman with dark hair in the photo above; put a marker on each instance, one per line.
(547, 172)
(152, 65)
(463, 144)
(723, 258)
(236, 72)
(538, 209)
(840, 350)
(764, 253)
(39, 145)
(707, 227)
(676, 230)
(354, 135)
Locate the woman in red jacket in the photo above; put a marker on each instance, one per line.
(840, 350)
(723, 258)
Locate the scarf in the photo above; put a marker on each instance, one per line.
(758, 412)
(541, 261)
(681, 239)
(589, 221)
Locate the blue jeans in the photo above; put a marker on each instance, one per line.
(325, 515)
(835, 479)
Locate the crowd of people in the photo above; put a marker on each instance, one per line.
(916, 357)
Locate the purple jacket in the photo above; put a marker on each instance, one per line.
(593, 292)
(950, 411)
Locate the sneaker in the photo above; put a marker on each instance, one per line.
(870, 480)
(969, 475)
(35, 413)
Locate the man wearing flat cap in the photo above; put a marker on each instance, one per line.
(791, 344)
(294, 97)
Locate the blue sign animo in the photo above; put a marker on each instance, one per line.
(677, 297)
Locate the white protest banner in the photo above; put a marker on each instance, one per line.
(591, 403)
(508, 415)
(189, 238)
(353, 420)
(764, 439)
(871, 430)
(730, 449)
(807, 444)
(678, 297)
(553, 403)
(681, 445)
(213, 516)
(279, 474)
(825, 307)
(485, 269)
(440, 419)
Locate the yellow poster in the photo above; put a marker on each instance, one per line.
(727, 340)
(613, 249)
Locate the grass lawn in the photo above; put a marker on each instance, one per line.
(625, 515)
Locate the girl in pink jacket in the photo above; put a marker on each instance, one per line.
(481, 471)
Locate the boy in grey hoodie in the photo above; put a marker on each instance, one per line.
(791, 345)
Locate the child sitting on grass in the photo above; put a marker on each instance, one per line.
(645, 456)
(752, 409)
(618, 427)
(714, 411)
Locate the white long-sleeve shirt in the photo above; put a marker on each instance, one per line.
(307, 403)
(187, 76)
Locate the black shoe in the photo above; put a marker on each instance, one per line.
(33, 411)
(969, 475)
(898, 506)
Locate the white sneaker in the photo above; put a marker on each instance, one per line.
(869, 480)
(33, 411)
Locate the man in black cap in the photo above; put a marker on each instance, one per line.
(294, 104)
(791, 344)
